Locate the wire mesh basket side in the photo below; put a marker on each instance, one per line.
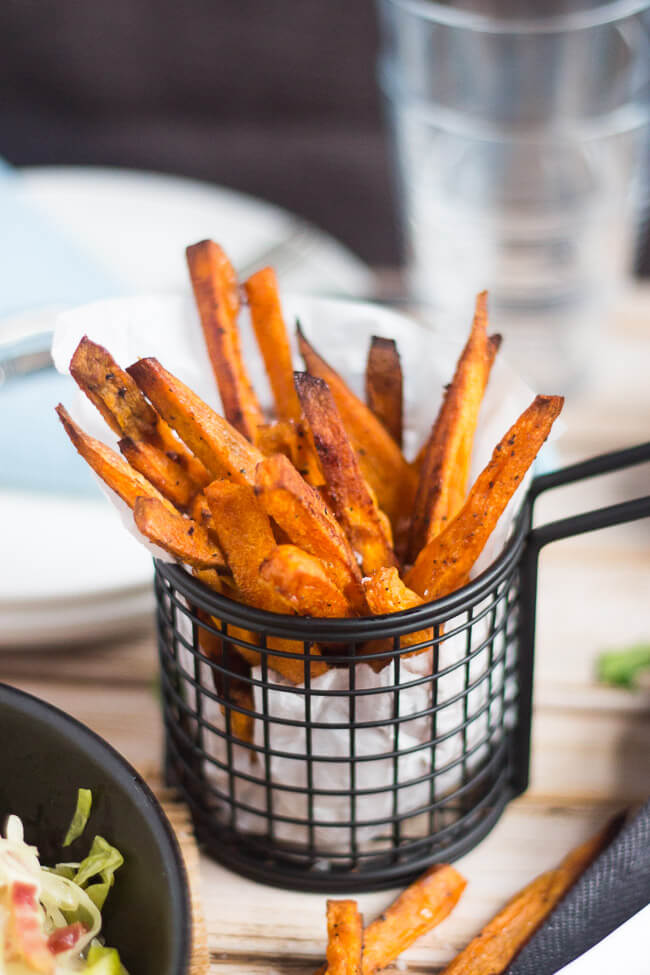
(389, 753)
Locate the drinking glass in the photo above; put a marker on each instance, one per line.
(520, 132)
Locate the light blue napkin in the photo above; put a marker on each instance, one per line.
(40, 267)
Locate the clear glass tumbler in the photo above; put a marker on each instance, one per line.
(521, 138)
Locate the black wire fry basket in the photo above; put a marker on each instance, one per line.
(392, 753)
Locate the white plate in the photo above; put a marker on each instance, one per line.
(73, 572)
(137, 225)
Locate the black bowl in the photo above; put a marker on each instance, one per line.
(45, 756)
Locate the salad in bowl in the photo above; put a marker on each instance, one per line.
(51, 916)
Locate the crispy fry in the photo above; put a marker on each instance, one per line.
(456, 421)
(217, 297)
(354, 505)
(386, 593)
(165, 474)
(305, 457)
(294, 440)
(273, 341)
(247, 540)
(445, 562)
(304, 582)
(178, 535)
(491, 952)
(302, 514)
(382, 463)
(344, 938)
(384, 385)
(419, 908)
(128, 414)
(113, 470)
(230, 685)
(277, 438)
(223, 451)
(462, 464)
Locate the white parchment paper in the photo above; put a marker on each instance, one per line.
(168, 327)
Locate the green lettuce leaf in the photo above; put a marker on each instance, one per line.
(80, 817)
(102, 861)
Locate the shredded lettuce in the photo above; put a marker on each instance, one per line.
(64, 894)
(80, 817)
(103, 961)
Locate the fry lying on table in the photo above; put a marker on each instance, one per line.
(352, 950)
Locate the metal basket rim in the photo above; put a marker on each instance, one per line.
(313, 630)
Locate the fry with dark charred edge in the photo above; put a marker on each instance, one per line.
(271, 334)
(163, 472)
(221, 448)
(302, 514)
(180, 536)
(386, 593)
(217, 297)
(127, 412)
(113, 469)
(382, 463)
(462, 464)
(491, 952)
(344, 938)
(455, 422)
(445, 562)
(384, 385)
(247, 540)
(417, 910)
(353, 503)
(304, 582)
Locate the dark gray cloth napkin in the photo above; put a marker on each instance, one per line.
(614, 888)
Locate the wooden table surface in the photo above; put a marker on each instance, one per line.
(591, 744)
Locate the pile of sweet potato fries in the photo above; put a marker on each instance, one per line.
(316, 511)
(355, 950)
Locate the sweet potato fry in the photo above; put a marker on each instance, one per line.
(302, 514)
(217, 297)
(491, 952)
(344, 938)
(113, 469)
(163, 472)
(384, 384)
(222, 450)
(128, 413)
(445, 562)
(419, 908)
(246, 538)
(462, 464)
(276, 438)
(386, 593)
(353, 503)
(229, 685)
(382, 463)
(178, 535)
(304, 582)
(456, 422)
(271, 334)
(294, 440)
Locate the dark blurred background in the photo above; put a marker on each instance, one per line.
(274, 98)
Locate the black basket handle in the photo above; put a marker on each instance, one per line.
(615, 514)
